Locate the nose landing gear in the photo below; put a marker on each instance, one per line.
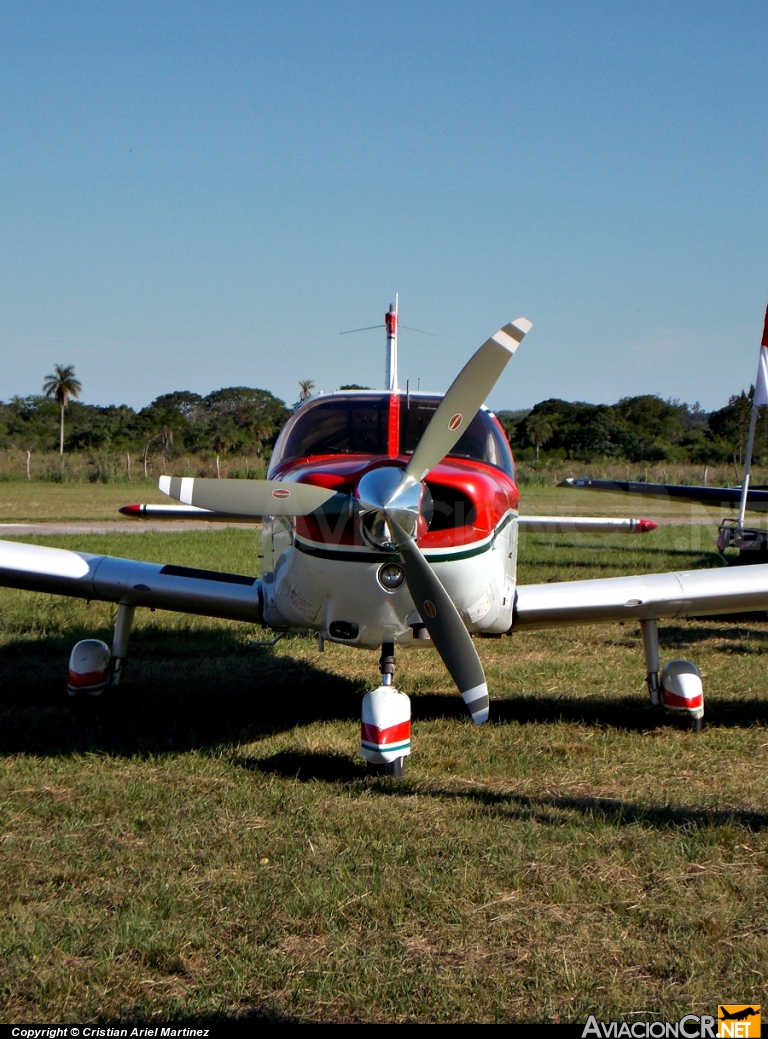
(385, 729)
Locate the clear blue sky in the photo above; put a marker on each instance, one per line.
(204, 194)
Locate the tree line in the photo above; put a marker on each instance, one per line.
(245, 421)
(237, 420)
(636, 429)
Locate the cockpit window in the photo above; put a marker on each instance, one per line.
(336, 426)
(482, 440)
(359, 424)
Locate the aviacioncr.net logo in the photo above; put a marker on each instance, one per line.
(738, 1021)
(692, 1026)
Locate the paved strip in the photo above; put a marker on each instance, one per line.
(107, 527)
(182, 526)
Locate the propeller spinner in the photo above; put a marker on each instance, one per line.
(391, 503)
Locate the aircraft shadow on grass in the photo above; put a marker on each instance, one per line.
(547, 809)
(209, 689)
(185, 696)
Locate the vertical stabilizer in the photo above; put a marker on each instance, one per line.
(390, 321)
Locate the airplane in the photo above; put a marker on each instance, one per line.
(751, 542)
(738, 1015)
(757, 496)
(390, 521)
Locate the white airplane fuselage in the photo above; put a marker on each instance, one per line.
(320, 574)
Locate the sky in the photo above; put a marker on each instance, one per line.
(201, 194)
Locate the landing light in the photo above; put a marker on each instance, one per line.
(390, 576)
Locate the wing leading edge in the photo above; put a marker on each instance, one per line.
(182, 589)
(691, 593)
(721, 497)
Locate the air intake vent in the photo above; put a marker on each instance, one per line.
(346, 630)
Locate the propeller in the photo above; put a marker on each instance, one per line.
(248, 497)
(444, 624)
(390, 502)
(465, 397)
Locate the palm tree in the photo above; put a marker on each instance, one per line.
(62, 385)
(306, 386)
(539, 429)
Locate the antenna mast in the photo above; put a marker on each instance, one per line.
(390, 321)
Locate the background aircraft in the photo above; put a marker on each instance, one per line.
(390, 519)
(751, 542)
(725, 497)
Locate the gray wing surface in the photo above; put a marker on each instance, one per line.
(689, 593)
(719, 497)
(693, 593)
(59, 571)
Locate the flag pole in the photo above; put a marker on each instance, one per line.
(760, 397)
(747, 465)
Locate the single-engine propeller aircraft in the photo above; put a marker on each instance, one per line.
(390, 519)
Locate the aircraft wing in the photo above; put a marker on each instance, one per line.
(584, 525)
(533, 524)
(183, 512)
(722, 497)
(690, 593)
(107, 578)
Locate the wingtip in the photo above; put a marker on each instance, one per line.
(645, 525)
(131, 510)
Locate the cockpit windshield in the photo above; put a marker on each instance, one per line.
(359, 424)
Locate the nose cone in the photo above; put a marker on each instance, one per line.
(387, 495)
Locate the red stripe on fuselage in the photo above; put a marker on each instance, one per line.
(393, 429)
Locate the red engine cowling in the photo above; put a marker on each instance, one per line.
(89, 668)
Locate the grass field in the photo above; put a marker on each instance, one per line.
(205, 842)
(49, 502)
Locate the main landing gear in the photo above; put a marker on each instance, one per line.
(385, 729)
(679, 691)
(92, 667)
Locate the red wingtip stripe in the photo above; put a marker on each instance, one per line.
(644, 525)
(90, 678)
(764, 341)
(684, 702)
(390, 734)
(131, 510)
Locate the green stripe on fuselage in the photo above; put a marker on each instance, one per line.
(432, 556)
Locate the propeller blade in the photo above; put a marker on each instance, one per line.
(465, 397)
(247, 497)
(445, 626)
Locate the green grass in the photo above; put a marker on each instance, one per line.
(50, 502)
(205, 842)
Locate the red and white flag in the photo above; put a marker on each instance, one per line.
(761, 382)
